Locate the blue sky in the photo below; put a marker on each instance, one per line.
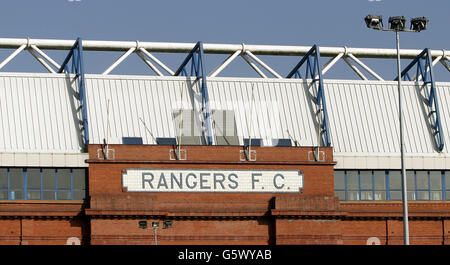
(281, 22)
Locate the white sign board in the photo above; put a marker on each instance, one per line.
(217, 180)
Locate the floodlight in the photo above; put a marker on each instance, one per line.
(143, 224)
(167, 224)
(374, 22)
(155, 224)
(397, 23)
(419, 23)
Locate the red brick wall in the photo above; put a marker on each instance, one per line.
(187, 232)
(42, 222)
(390, 232)
(313, 216)
(24, 231)
(199, 218)
(105, 176)
(307, 231)
(358, 232)
(446, 231)
(9, 232)
(427, 232)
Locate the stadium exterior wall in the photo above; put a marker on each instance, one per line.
(40, 129)
(111, 215)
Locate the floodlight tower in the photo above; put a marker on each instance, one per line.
(398, 24)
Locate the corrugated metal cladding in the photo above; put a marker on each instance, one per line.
(39, 112)
(144, 107)
(364, 117)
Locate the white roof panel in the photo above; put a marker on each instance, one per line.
(39, 112)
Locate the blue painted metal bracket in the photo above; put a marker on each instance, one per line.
(196, 56)
(76, 54)
(424, 61)
(314, 71)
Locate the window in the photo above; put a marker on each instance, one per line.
(132, 140)
(63, 183)
(281, 142)
(33, 176)
(43, 183)
(447, 184)
(436, 186)
(79, 183)
(339, 184)
(366, 185)
(254, 142)
(4, 184)
(380, 185)
(166, 141)
(410, 179)
(379, 180)
(16, 183)
(48, 184)
(422, 187)
(395, 185)
(352, 185)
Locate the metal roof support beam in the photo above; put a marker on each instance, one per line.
(139, 53)
(262, 64)
(121, 58)
(45, 56)
(370, 71)
(435, 61)
(158, 62)
(14, 54)
(37, 53)
(355, 69)
(282, 50)
(424, 69)
(224, 64)
(444, 63)
(245, 54)
(76, 55)
(48, 67)
(331, 62)
(253, 65)
(196, 56)
(314, 71)
(248, 52)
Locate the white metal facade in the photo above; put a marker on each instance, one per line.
(364, 117)
(39, 112)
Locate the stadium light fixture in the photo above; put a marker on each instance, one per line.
(155, 226)
(374, 22)
(167, 224)
(419, 23)
(143, 224)
(398, 24)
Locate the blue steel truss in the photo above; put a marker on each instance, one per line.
(314, 71)
(196, 56)
(425, 70)
(77, 68)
